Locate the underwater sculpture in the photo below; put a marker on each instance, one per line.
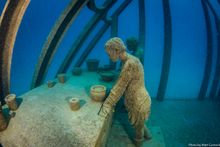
(131, 84)
(132, 45)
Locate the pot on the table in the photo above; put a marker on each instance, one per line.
(107, 76)
(92, 64)
(98, 92)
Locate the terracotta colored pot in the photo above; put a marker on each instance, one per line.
(98, 92)
(11, 102)
(50, 83)
(92, 64)
(74, 104)
(62, 78)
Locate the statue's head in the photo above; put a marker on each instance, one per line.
(114, 47)
(132, 43)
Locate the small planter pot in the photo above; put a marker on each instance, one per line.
(98, 93)
(92, 64)
(107, 76)
(62, 78)
(11, 102)
(74, 104)
(50, 83)
(77, 71)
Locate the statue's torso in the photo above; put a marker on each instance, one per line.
(136, 94)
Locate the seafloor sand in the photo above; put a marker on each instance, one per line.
(180, 121)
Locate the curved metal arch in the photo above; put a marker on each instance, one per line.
(54, 39)
(209, 51)
(91, 45)
(9, 24)
(142, 26)
(92, 6)
(216, 79)
(167, 51)
(83, 36)
(110, 21)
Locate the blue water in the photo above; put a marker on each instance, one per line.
(189, 40)
(188, 46)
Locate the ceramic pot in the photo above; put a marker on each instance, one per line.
(74, 104)
(50, 84)
(107, 76)
(98, 92)
(11, 102)
(62, 78)
(92, 64)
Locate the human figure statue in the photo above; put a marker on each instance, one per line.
(132, 45)
(131, 84)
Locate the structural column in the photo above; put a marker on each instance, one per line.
(167, 51)
(9, 23)
(209, 51)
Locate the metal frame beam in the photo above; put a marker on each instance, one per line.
(167, 51)
(102, 31)
(9, 24)
(91, 45)
(55, 37)
(92, 6)
(209, 52)
(142, 22)
(83, 36)
(216, 79)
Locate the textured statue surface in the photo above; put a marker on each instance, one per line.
(131, 84)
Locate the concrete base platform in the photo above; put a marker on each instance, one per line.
(44, 118)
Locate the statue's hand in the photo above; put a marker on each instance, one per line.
(105, 110)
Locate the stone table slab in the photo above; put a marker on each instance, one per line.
(44, 118)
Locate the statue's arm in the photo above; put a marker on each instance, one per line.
(118, 89)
